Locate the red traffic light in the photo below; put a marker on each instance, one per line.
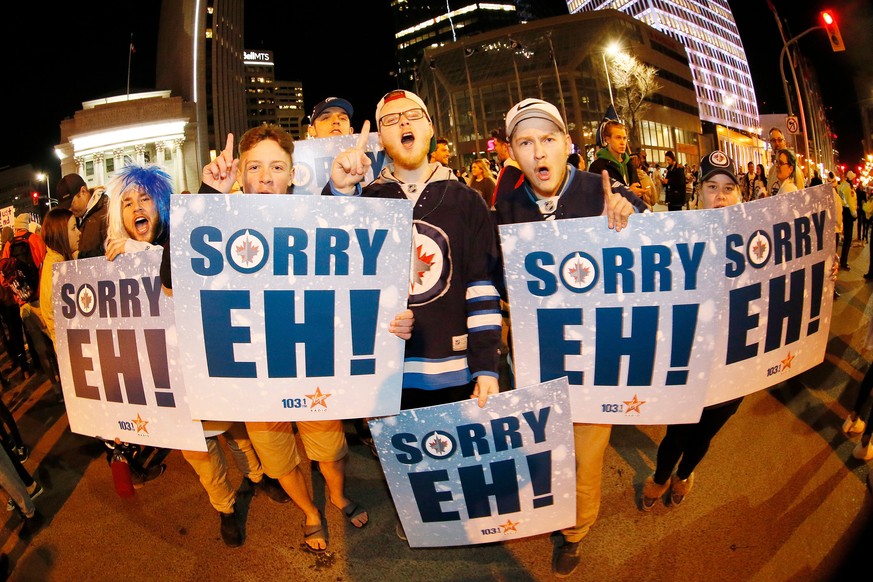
(829, 23)
(35, 197)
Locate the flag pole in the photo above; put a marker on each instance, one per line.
(129, 55)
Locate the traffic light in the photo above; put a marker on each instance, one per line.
(35, 197)
(830, 26)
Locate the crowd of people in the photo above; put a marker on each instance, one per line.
(537, 176)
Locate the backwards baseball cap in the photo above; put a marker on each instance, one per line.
(717, 162)
(531, 109)
(331, 102)
(399, 94)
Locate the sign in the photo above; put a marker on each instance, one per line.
(460, 474)
(678, 310)
(314, 157)
(284, 303)
(791, 124)
(118, 353)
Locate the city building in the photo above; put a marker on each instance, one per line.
(469, 85)
(145, 128)
(422, 25)
(200, 59)
(201, 98)
(722, 80)
(269, 100)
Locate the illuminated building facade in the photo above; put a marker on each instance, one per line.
(722, 80)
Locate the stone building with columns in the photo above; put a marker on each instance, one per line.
(144, 128)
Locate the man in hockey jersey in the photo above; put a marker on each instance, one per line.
(552, 189)
(453, 351)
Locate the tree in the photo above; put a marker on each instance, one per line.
(632, 82)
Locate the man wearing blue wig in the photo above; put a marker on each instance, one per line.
(139, 209)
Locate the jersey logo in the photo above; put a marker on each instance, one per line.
(431, 267)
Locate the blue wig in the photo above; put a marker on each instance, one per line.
(152, 180)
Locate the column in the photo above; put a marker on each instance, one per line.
(140, 153)
(99, 170)
(179, 164)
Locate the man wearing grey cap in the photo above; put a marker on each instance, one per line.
(552, 189)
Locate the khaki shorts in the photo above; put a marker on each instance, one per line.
(276, 445)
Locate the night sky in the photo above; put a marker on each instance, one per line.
(53, 65)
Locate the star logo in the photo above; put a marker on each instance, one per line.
(509, 526)
(634, 405)
(318, 399)
(140, 424)
(786, 363)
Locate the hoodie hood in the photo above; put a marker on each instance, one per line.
(438, 172)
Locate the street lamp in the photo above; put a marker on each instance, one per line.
(48, 192)
(611, 49)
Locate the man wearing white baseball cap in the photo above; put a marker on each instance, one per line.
(552, 189)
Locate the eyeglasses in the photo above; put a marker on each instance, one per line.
(777, 139)
(779, 163)
(410, 114)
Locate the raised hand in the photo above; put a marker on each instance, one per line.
(615, 206)
(351, 166)
(221, 173)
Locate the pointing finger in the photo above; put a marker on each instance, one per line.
(228, 148)
(365, 135)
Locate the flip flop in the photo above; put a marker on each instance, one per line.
(352, 511)
(315, 532)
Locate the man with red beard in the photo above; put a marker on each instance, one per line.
(453, 352)
(454, 349)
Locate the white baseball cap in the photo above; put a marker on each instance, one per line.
(530, 109)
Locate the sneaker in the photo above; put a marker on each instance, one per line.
(862, 451)
(31, 525)
(230, 532)
(269, 487)
(652, 492)
(150, 474)
(566, 558)
(401, 533)
(37, 490)
(680, 488)
(853, 427)
(22, 453)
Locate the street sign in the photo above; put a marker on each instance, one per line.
(791, 124)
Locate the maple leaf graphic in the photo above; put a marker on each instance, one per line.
(86, 300)
(760, 248)
(423, 264)
(579, 272)
(247, 252)
(438, 444)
